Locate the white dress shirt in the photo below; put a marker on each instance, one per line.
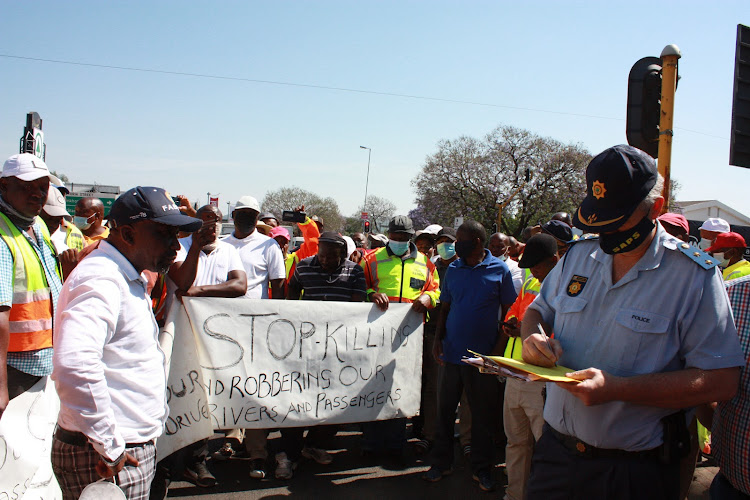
(109, 370)
(262, 259)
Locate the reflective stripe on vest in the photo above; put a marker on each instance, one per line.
(30, 321)
(401, 280)
(529, 291)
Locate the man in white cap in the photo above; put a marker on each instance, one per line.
(264, 264)
(30, 278)
(52, 214)
(710, 229)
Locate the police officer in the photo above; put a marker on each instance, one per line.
(643, 322)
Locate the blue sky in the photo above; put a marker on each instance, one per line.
(197, 135)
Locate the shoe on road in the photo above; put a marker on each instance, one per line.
(284, 466)
(320, 456)
(199, 475)
(258, 468)
(435, 474)
(484, 478)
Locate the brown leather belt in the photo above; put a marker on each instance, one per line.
(580, 448)
(79, 439)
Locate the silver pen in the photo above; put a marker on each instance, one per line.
(546, 338)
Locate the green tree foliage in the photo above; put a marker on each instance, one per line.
(288, 198)
(532, 176)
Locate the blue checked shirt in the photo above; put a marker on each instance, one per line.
(37, 363)
(730, 438)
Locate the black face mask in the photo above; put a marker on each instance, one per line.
(464, 249)
(245, 220)
(625, 241)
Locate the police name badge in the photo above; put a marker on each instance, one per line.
(575, 287)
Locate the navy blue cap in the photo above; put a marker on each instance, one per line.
(558, 229)
(401, 224)
(539, 247)
(617, 180)
(150, 203)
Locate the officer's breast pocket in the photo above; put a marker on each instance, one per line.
(640, 340)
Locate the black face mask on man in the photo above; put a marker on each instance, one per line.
(625, 241)
(245, 220)
(464, 249)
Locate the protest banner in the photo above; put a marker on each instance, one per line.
(273, 363)
(25, 444)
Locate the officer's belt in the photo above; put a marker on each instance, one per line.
(583, 449)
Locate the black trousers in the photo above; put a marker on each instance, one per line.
(19, 382)
(558, 474)
(483, 392)
(293, 440)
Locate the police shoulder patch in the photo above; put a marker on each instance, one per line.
(576, 284)
(698, 256)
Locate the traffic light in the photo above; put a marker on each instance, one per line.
(739, 144)
(367, 226)
(644, 105)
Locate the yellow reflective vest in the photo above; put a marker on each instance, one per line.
(402, 279)
(73, 236)
(30, 322)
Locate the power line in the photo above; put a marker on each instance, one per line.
(323, 87)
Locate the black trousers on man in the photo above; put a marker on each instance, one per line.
(483, 392)
(558, 473)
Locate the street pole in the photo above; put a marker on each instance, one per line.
(669, 57)
(367, 179)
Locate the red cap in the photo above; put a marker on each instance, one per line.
(727, 240)
(676, 220)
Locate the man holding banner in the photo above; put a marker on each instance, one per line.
(108, 368)
(399, 273)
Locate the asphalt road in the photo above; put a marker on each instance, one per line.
(352, 476)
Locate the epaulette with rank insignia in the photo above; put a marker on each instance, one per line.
(698, 256)
(585, 237)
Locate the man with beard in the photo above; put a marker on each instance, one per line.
(645, 326)
(109, 370)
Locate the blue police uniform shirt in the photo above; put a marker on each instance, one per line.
(475, 294)
(666, 314)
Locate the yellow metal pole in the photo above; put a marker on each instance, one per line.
(669, 57)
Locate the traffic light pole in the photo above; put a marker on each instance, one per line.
(669, 57)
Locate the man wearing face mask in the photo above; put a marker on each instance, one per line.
(499, 246)
(710, 229)
(89, 214)
(445, 245)
(475, 287)
(728, 249)
(644, 323)
(264, 264)
(399, 273)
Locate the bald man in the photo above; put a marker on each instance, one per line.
(89, 215)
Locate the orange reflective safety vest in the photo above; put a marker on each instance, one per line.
(402, 279)
(30, 321)
(309, 247)
(529, 291)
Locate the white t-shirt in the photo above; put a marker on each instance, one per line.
(213, 268)
(262, 259)
(516, 273)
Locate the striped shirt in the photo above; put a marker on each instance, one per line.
(37, 363)
(730, 438)
(318, 284)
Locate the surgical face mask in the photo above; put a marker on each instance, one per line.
(504, 257)
(723, 261)
(446, 250)
(625, 241)
(398, 247)
(704, 243)
(83, 223)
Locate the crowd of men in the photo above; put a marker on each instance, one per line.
(638, 312)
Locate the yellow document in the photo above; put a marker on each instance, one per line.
(530, 372)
